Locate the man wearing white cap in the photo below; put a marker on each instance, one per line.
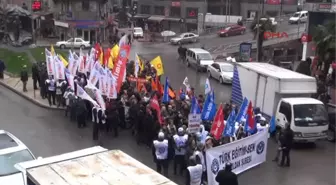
(180, 140)
(160, 154)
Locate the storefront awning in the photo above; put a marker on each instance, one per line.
(141, 16)
(172, 19)
(156, 18)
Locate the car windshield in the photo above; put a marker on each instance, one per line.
(70, 40)
(296, 15)
(227, 28)
(227, 68)
(310, 113)
(8, 161)
(137, 30)
(204, 56)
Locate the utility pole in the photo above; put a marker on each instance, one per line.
(226, 10)
(258, 31)
(263, 6)
(229, 10)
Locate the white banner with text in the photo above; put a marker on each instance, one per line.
(242, 154)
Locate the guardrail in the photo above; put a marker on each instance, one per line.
(234, 47)
(246, 23)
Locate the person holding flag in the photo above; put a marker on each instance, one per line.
(165, 97)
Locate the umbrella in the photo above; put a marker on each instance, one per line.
(167, 33)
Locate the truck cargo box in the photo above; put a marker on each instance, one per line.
(92, 166)
(265, 84)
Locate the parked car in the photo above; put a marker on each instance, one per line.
(298, 17)
(221, 71)
(138, 32)
(73, 42)
(232, 30)
(12, 151)
(184, 38)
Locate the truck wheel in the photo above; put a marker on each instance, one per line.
(221, 81)
(62, 46)
(331, 136)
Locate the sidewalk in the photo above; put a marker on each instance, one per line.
(14, 84)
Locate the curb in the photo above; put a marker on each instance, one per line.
(29, 98)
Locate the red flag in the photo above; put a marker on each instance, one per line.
(218, 124)
(250, 117)
(107, 56)
(159, 86)
(154, 103)
(119, 68)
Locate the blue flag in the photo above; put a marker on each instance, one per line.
(242, 111)
(272, 127)
(165, 97)
(246, 127)
(209, 108)
(195, 109)
(230, 124)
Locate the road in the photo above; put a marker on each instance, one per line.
(214, 43)
(49, 133)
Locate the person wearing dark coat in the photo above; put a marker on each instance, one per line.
(113, 119)
(226, 176)
(2, 69)
(81, 113)
(121, 111)
(286, 144)
(35, 76)
(95, 130)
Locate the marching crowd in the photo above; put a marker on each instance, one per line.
(160, 126)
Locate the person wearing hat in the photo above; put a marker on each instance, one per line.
(199, 155)
(24, 78)
(226, 176)
(180, 142)
(194, 172)
(160, 153)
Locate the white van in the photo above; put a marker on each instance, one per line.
(198, 57)
(298, 17)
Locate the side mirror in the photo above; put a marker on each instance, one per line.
(218, 70)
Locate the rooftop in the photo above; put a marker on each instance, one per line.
(274, 71)
(297, 101)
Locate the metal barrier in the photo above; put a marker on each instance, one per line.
(246, 23)
(235, 46)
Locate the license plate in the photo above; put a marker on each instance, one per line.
(311, 134)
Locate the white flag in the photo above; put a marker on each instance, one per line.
(59, 69)
(82, 94)
(71, 80)
(186, 83)
(207, 87)
(100, 100)
(50, 62)
(94, 75)
(122, 41)
(136, 65)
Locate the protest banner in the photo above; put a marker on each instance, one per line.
(242, 154)
(194, 123)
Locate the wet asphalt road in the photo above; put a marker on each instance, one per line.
(49, 133)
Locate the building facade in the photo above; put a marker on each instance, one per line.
(80, 18)
(172, 14)
(224, 7)
(273, 8)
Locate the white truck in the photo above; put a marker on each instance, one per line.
(90, 166)
(286, 95)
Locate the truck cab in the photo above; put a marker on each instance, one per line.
(307, 118)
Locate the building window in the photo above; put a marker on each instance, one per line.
(85, 5)
(159, 10)
(192, 13)
(215, 10)
(227, 11)
(145, 9)
(175, 11)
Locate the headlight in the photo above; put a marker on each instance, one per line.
(297, 134)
